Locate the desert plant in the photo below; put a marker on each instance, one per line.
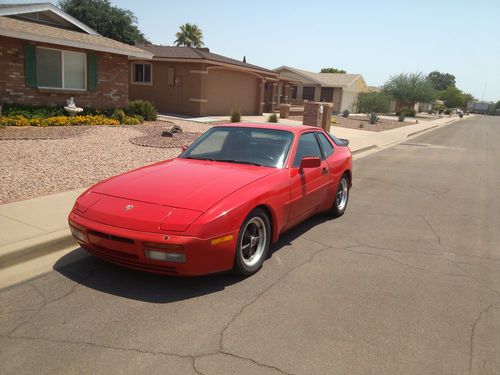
(401, 117)
(410, 88)
(373, 118)
(142, 108)
(235, 115)
(346, 113)
(438, 107)
(334, 119)
(273, 118)
(368, 102)
(408, 112)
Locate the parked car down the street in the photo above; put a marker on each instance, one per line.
(220, 204)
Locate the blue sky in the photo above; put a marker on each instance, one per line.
(374, 38)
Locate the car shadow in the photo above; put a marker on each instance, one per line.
(97, 274)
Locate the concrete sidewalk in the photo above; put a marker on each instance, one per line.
(38, 227)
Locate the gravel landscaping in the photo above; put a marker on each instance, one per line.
(67, 158)
(30, 132)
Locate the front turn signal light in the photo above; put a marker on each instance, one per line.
(218, 240)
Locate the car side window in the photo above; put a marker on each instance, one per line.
(325, 144)
(308, 146)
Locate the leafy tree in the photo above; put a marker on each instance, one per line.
(108, 20)
(190, 35)
(468, 98)
(497, 105)
(441, 81)
(452, 97)
(368, 102)
(409, 89)
(332, 70)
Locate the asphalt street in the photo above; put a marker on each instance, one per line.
(406, 282)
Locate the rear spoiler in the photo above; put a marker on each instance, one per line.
(338, 141)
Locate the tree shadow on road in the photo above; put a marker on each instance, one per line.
(94, 273)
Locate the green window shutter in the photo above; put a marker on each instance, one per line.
(30, 65)
(91, 72)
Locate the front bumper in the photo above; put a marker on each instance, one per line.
(125, 247)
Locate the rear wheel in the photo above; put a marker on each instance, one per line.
(341, 197)
(253, 243)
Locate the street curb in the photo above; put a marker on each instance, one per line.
(363, 149)
(26, 250)
(421, 131)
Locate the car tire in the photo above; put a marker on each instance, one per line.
(341, 197)
(253, 244)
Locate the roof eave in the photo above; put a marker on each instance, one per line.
(31, 8)
(76, 44)
(214, 62)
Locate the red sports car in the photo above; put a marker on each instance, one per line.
(220, 204)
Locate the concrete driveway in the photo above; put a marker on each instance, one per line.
(407, 282)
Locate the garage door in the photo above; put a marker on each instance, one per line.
(228, 90)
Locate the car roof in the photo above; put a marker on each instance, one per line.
(290, 128)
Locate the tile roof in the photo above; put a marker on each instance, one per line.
(325, 79)
(42, 33)
(174, 52)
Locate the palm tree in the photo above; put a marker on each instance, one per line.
(190, 35)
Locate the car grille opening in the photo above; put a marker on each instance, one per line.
(110, 237)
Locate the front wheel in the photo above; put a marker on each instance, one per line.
(341, 197)
(253, 243)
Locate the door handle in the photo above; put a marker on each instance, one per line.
(324, 171)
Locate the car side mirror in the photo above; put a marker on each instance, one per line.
(310, 162)
(184, 147)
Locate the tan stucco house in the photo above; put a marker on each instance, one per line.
(340, 89)
(197, 82)
(47, 56)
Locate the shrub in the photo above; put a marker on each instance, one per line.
(273, 118)
(345, 113)
(334, 119)
(447, 111)
(368, 102)
(235, 115)
(16, 120)
(401, 117)
(143, 108)
(131, 120)
(26, 111)
(408, 112)
(119, 115)
(58, 121)
(439, 107)
(373, 118)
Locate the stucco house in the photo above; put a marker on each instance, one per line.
(197, 82)
(47, 56)
(340, 89)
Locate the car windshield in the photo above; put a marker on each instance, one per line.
(242, 145)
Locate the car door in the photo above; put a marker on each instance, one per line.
(308, 187)
(336, 165)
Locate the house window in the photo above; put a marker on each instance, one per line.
(141, 73)
(61, 69)
(308, 93)
(294, 92)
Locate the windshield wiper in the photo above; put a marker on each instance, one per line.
(190, 157)
(239, 162)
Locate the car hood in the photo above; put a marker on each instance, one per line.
(182, 183)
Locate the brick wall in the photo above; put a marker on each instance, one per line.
(112, 79)
(311, 114)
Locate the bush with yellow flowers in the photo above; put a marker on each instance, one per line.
(58, 121)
